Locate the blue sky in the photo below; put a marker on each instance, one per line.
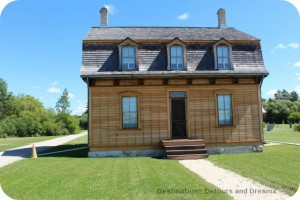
(40, 41)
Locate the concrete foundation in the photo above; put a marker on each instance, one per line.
(234, 149)
(127, 153)
(162, 154)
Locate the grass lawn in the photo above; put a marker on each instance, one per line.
(107, 178)
(277, 167)
(9, 143)
(282, 133)
(71, 176)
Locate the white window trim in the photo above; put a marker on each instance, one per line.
(223, 42)
(128, 42)
(178, 42)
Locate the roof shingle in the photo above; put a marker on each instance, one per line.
(166, 33)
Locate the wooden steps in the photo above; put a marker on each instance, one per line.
(184, 149)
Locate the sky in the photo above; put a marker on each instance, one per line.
(41, 41)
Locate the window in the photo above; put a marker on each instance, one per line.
(223, 59)
(176, 56)
(129, 112)
(224, 109)
(128, 57)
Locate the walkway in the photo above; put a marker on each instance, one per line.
(10, 156)
(238, 187)
(278, 142)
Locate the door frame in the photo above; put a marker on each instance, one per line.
(170, 110)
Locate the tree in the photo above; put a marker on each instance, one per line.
(294, 96)
(294, 117)
(5, 99)
(285, 94)
(63, 103)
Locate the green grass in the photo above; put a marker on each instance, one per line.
(9, 143)
(102, 178)
(71, 175)
(283, 133)
(277, 167)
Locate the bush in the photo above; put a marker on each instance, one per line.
(8, 128)
(83, 121)
(296, 127)
(294, 117)
(68, 122)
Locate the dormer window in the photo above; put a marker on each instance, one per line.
(128, 55)
(176, 55)
(222, 54)
(223, 59)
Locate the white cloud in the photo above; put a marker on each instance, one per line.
(54, 90)
(71, 95)
(184, 16)
(271, 93)
(54, 83)
(296, 64)
(292, 45)
(111, 8)
(81, 108)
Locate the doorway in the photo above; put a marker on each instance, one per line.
(178, 115)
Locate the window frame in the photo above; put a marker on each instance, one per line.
(176, 57)
(223, 43)
(183, 45)
(128, 42)
(129, 126)
(129, 94)
(223, 57)
(128, 58)
(224, 93)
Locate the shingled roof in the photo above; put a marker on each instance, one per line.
(101, 59)
(166, 33)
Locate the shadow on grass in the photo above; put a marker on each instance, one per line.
(25, 152)
(67, 150)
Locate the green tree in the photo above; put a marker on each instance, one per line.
(5, 99)
(294, 96)
(294, 117)
(63, 103)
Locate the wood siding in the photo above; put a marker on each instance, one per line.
(105, 131)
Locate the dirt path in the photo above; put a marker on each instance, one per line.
(12, 155)
(238, 187)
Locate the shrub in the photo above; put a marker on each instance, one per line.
(83, 121)
(8, 127)
(294, 117)
(296, 127)
(68, 122)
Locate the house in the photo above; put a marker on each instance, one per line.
(156, 87)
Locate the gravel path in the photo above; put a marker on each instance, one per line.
(12, 155)
(238, 187)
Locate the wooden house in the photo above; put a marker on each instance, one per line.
(153, 90)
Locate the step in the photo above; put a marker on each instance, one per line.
(180, 147)
(187, 156)
(186, 151)
(182, 142)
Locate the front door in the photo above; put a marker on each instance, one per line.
(178, 117)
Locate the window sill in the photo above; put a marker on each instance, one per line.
(130, 129)
(226, 126)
